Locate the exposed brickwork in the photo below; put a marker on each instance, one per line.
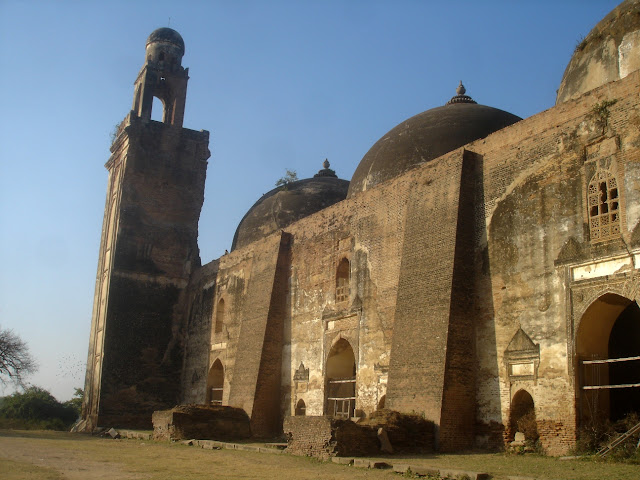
(260, 331)
(407, 433)
(265, 420)
(325, 437)
(418, 353)
(197, 332)
(201, 422)
(556, 437)
(147, 253)
(490, 436)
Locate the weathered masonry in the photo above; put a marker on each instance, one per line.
(477, 268)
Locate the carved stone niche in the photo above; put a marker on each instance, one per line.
(301, 374)
(522, 358)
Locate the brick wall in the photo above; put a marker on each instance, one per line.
(444, 272)
(197, 333)
(259, 332)
(420, 332)
(147, 252)
(325, 437)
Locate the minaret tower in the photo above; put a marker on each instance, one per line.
(148, 248)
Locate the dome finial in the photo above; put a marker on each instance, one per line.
(461, 97)
(326, 171)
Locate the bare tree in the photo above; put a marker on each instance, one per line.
(15, 359)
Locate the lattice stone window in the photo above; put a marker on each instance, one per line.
(604, 206)
(342, 281)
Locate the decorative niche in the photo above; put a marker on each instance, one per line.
(522, 358)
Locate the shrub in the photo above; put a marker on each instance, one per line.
(36, 408)
(598, 434)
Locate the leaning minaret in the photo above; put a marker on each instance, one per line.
(148, 248)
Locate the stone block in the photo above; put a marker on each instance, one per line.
(201, 422)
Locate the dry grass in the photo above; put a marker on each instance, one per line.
(11, 470)
(55, 455)
(535, 466)
(71, 455)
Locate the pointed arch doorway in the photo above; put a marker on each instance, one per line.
(215, 383)
(341, 380)
(608, 360)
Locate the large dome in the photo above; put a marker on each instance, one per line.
(284, 205)
(426, 136)
(610, 52)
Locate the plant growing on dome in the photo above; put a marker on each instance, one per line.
(289, 177)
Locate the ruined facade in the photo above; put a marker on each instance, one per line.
(477, 268)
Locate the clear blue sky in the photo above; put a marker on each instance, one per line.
(279, 84)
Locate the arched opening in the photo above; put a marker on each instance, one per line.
(301, 408)
(608, 360)
(215, 383)
(624, 342)
(341, 380)
(157, 110)
(219, 317)
(342, 281)
(136, 101)
(382, 402)
(522, 417)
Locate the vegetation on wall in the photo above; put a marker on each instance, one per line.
(601, 110)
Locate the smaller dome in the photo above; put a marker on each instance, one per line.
(610, 52)
(167, 35)
(289, 203)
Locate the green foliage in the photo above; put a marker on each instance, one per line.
(290, 176)
(76, 401)
(36, 408)
(115, 131)
(601, 110)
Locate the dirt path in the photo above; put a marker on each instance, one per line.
(71, 465)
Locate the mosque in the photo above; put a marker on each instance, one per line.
(477, 268)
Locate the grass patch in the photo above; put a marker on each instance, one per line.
(137, 459)
(12, 470)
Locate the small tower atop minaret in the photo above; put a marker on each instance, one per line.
(163, 77)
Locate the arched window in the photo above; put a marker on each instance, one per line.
(301, 408)
(215, 383)
(604, 206)
(219, 317)
(342, 281)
